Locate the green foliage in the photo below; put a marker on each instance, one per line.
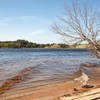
(27, 44)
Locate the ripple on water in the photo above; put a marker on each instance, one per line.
(47, 66)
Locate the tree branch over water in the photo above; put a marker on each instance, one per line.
(80, 24)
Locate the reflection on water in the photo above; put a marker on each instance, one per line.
(47, 65)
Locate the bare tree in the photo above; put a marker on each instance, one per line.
(80, 24)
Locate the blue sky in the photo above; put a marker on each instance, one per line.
(32, 19)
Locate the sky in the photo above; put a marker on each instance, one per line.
(32, 19)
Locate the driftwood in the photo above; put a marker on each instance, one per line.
(93, 94)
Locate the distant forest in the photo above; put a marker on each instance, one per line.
(27, 44)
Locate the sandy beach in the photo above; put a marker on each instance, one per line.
(49, 92)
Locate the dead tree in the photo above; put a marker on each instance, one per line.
(80, 24)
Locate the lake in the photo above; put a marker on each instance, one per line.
(49, 65)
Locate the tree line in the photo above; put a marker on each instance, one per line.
(27, 44)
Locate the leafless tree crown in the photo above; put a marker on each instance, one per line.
(80, 24)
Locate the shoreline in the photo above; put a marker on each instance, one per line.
(49, 92)
(93, 94)
(53, 91)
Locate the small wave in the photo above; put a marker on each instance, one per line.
(16, 79)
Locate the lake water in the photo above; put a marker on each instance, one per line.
(49, 65)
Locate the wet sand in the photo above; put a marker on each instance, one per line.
(50, 91)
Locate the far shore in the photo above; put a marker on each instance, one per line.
(27, 44)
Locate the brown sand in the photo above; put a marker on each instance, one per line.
(46, 92)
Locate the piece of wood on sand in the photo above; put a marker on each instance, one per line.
(88, 95)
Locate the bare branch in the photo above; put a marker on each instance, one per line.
(80, 24)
